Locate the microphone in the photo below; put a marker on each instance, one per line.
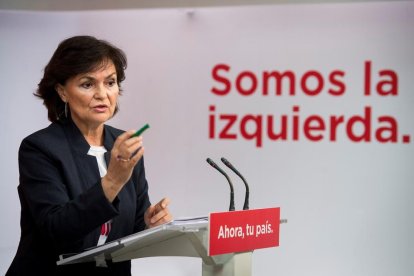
(231, 167)
(214, 165)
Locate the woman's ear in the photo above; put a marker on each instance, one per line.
(61, 91)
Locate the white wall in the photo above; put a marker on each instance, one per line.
(348, 203)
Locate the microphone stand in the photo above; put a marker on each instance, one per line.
(214, 165)
(231, 167)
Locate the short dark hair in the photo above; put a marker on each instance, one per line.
(74, 56)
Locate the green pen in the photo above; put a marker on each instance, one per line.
(140, 131)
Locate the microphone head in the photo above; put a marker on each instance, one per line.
(211, 162)
(225, 161)
(214, 165)
(229, 165)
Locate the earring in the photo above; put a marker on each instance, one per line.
(66, 110)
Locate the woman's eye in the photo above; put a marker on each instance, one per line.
(111, 83)
(86, 85)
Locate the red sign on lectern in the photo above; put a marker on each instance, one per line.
(240, 231)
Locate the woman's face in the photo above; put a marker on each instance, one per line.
(91, 96)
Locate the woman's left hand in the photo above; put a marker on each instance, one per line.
(158, 214)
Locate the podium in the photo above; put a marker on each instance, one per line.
(182, 237)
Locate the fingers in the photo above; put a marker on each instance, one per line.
(164, 202)
(159, 213)
(125, 154)
(161, 217)
(128, 149)
(123, 137)
(160, 206)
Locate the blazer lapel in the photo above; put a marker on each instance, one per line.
(87, 166)
(109, 140)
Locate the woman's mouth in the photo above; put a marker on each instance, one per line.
(100, 108)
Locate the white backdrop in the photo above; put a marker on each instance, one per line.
(348, 203)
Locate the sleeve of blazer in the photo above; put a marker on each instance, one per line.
(143, 201)
(61, 218)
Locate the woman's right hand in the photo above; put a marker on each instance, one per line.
(125, 154)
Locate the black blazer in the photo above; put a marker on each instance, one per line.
(63, 205)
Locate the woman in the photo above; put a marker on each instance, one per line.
(82, 183)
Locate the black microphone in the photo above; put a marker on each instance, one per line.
(231, 167)
(214, 165)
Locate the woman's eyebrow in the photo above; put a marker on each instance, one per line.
(89, 77)
(111, 75)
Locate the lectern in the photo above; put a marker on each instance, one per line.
(183, 237)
